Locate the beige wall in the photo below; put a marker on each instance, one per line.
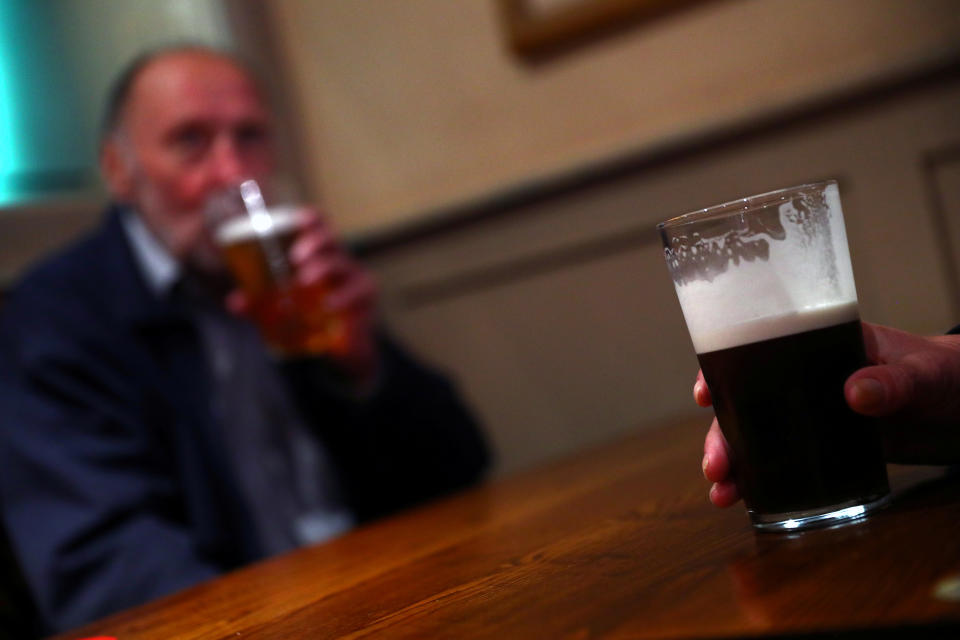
(409, 106)
(558, 315)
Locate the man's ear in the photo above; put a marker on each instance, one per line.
(117, 170)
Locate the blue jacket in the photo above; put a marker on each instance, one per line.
(114, 488)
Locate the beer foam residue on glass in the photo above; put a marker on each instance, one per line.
(243, 228)
(802, 276)
(774, 327)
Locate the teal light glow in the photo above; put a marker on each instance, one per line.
(10, 16)
(42, 150)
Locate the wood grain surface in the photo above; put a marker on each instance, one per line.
(617, 542)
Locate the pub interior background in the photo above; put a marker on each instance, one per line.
(501, 165)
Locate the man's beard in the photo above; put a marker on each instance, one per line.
(204, 257)
(183, 233)
(194, 249)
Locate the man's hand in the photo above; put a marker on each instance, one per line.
(318, 257)
(716, 453)
(914, 380)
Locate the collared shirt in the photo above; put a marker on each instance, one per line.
(157, 266)
(283, 470)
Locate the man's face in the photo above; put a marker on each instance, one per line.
(194, 123)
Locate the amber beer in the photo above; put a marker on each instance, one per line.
(292, 317)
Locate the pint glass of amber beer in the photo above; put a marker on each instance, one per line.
(767, 292)
(254, 238)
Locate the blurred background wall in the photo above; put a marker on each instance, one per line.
(507, 200)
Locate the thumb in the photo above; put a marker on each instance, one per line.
(923, 384)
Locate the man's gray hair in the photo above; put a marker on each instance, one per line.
(119, 92)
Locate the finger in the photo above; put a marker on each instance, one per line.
(923, 384)
(329, 269)
(724, 494)
(349, 286)
(867, 394)
(886, 345)
(310, 217)
(312, 243)
(701, 393)
(357, 293)
(716, 455)
(870, 331)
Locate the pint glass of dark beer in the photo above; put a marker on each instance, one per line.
(255, 241)
(767, 292)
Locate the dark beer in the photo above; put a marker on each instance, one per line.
(797, 446)
(291, 317)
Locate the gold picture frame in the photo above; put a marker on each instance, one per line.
(538, 28)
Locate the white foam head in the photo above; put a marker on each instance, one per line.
(727, 336)
(243, 227)
(764, 280)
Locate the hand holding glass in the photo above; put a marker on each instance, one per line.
(255, 241)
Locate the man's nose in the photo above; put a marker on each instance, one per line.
(227, 162)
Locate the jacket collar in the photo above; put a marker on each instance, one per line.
(159, 269)
(134, 298)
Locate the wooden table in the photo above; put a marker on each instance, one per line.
(618, 542)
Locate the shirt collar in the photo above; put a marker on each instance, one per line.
(159, 269)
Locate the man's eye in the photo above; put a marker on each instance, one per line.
(251, 135)
(191, 140)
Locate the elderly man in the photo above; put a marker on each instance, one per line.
(149, 441)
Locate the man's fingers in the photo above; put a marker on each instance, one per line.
(358, 293)
(885, 345)
(716, 468)
(870, 391)
(716, 455)
(311, 218)
(333, 270)
(923, 384)
(701, 394)
(313, 243)
(724, 494)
